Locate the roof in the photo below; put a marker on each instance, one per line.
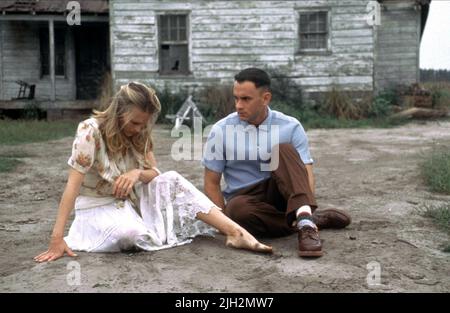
(52, 6)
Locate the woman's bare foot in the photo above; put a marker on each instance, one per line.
(242, 239)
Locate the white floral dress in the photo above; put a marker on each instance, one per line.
(157, 215)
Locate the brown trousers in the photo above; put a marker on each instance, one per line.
(267, 209)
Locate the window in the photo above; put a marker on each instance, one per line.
(60, 52)
(173, 45)
(313, 31)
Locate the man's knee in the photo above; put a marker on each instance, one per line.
(287, 151)
(284, 148)
(238, 209)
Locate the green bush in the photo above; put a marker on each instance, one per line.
(439, 213)
(32, 111)
(380, 107)
(285, 89)
(441, 98)
(170, 103)
(436, 170)
(311, 118)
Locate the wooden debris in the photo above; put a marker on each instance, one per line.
(415, 112)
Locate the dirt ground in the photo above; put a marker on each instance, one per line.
(371, 173)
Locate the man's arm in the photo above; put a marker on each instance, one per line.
(212, 187)
(309, 169)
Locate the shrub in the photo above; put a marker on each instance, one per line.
(216, 102)
(440, 97)
(439, 213)
(380, 107)
(285, 89)
(170, 102)
(32, 111)
(436, 170)
(339, 104)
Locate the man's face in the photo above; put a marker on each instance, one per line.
(251, 102)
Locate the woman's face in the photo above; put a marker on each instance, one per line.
(134, 121)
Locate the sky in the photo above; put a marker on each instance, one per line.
(435, 45)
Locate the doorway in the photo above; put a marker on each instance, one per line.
(92, 59)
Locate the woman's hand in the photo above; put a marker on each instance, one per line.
(56, 249)
(125, 183)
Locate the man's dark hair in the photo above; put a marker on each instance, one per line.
(252, 74)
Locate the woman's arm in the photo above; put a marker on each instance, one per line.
(57, 245)
(149, 173)
(125, 182)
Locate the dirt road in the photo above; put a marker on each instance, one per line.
(371, 173)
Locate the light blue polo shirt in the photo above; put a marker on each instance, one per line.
(242, 151)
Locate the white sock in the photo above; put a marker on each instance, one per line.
(306, 211)
(303, 209)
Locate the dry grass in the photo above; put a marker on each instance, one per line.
(436, 170)
(217, 101)
(339, 104)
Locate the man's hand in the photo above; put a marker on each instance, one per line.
(125, 183)
(56, 249)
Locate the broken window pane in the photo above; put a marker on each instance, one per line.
(174, 57)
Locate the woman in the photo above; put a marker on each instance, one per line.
(121, 200)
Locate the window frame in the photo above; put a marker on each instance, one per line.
(62, 30)
(161, 42)
(327, 49)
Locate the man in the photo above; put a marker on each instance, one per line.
(265, 160)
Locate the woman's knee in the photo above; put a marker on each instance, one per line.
(126, 236)
(171, 174)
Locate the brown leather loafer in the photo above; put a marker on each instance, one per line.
(331, 218)
(309, 244)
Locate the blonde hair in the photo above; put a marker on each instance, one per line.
(129, 96)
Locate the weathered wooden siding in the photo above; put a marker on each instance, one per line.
(1, 61)
(397, 45)
(227, 36)
(20, 61)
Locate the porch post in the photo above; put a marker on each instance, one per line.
(51, 36)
